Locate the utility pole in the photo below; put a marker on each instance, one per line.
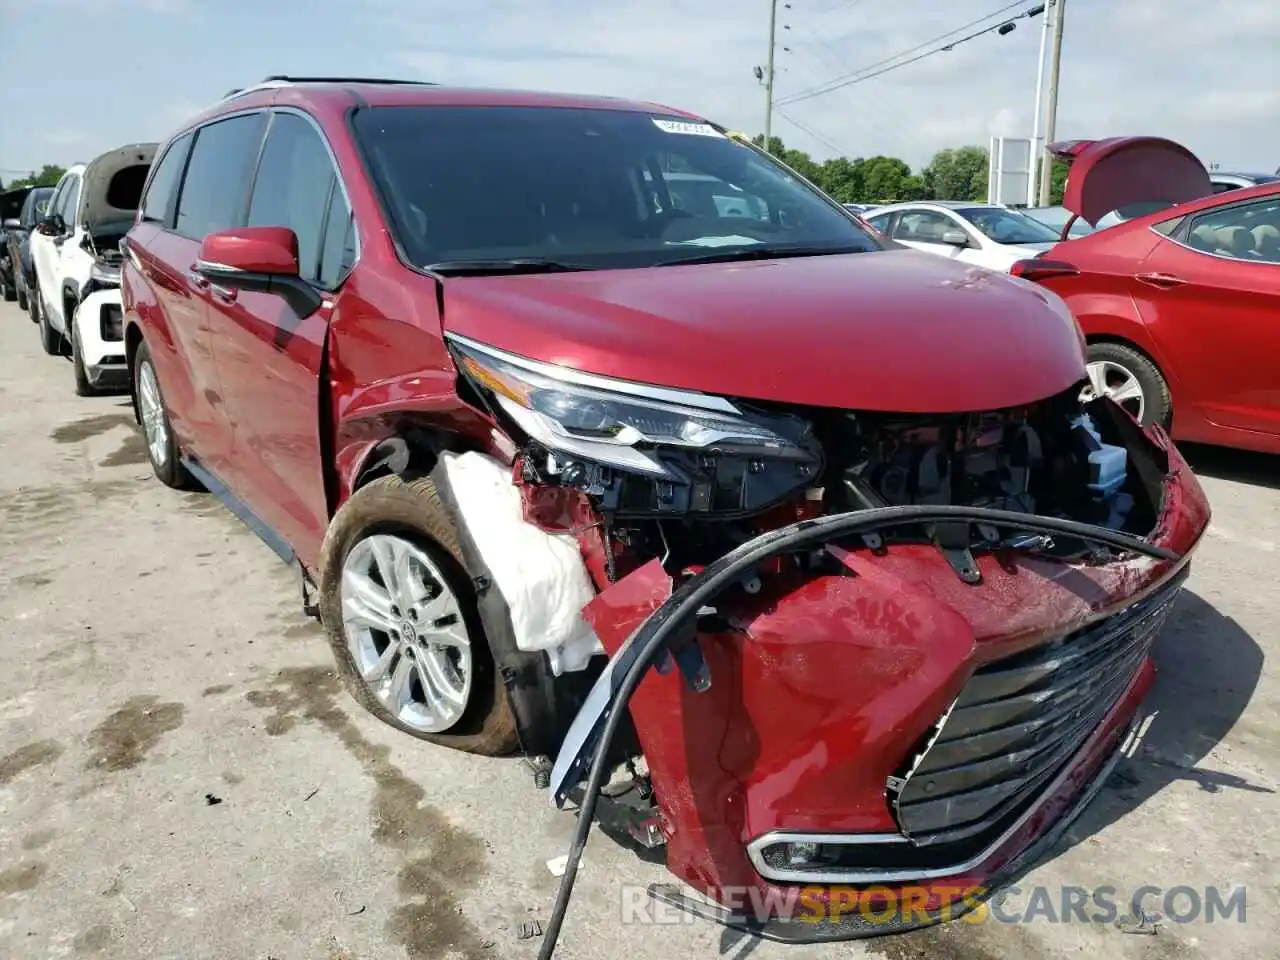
(768, 77)
(1059, 9)
(1037, 152)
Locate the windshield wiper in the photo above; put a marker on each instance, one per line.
(761, 252)
(515, 265)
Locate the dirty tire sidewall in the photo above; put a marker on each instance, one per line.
(50, 339)
(23, 303)
(1155, 390)
(83, 387)
(413, 508)
(171, 473)
(33, 302)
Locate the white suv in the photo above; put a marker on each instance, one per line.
(76, 259)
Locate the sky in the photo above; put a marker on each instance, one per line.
(84, 76)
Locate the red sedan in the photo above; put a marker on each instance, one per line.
(1180, 307)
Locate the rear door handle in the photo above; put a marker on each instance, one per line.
(1162, 280)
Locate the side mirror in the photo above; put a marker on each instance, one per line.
(50, 226)
(13, 224)
(263, 259)
(955, 237)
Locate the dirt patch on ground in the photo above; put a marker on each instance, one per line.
(23, 877)
(216, 689)
(94, 940)
(28, 757)
(88, 427)
(429, 923)
(124, 739)
(38, 839)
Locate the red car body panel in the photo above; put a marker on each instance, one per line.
(626, 323)
(860, 668)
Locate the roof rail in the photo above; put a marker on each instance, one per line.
(284, 78)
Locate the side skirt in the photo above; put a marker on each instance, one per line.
(278, 545)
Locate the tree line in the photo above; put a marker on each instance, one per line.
(48, 176)
(957, 173)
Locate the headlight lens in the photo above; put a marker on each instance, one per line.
(105, 275)
(610, 421)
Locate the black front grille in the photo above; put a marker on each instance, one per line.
(1017, 722)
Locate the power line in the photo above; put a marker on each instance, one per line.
(862, 73)
(840, 151)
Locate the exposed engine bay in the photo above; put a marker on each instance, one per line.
(628, 473)
(1049, 459)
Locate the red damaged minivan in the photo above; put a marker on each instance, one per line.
(594, 433)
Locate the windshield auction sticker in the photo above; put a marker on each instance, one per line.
(687, 127)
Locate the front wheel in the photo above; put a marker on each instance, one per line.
(1130, 379)
(22, 292)
(51, 340)
(162, 446)
(83, 387)
(400, 613)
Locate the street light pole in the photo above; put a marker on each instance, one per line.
(1051, 118)
(768, 77)
(1033, 180)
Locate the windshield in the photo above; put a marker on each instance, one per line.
(1008, 226)
(585, 187)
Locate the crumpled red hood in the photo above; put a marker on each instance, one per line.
(896, 330)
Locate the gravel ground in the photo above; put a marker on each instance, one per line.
(181, 775)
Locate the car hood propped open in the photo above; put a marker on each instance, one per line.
(896, 330)
(111, 190)
(1110, 175)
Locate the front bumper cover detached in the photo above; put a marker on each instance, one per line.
(668, 629)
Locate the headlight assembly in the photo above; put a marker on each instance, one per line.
(617, 422)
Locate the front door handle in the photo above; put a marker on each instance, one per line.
(1162, 280)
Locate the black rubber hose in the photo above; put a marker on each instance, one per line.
(720, 574)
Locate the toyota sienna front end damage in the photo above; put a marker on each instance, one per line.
(888, 649)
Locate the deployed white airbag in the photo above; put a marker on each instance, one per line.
(541, 575)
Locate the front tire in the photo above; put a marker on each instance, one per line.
(22, 293)
(10, 290)
(51, 340)
(83, 387)
(399, 611)
(1130, 379)
(162, 446)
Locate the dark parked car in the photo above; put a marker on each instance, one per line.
(23, 209)
(526, 428)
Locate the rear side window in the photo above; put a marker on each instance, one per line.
(292, 187)
(214, 191)
(162, 192)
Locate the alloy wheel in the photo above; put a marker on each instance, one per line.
(151, 412)
(1114, 380)
(405, 632)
